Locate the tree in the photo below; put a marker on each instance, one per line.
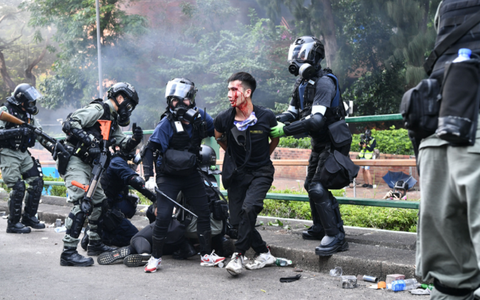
(19, 54)
(315, 18)
(75, 81)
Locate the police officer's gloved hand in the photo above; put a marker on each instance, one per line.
(94, 151)
(277, 131)
(24, 131)
(137, 133)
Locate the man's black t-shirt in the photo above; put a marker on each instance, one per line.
(259, 134)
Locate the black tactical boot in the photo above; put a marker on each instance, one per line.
(97, 247)
(313, 233)
(34, 192)
(32, 221)
(17, 228)
(331, 245)
(15, 208)
(70, 257)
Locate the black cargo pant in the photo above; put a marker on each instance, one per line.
(245, 196)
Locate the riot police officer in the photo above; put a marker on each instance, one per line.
(315, 104)
(84, 136)
(177, 137)
(122, 205)
(17, 165)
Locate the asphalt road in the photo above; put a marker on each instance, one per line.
(30, 269)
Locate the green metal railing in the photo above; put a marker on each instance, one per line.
(304, 198)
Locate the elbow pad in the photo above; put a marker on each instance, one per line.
(287, 116)
(312, 123)
(138, 183)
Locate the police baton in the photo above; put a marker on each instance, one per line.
(176, 203)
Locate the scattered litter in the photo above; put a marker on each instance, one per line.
(378, 286)
(264, 291)
(337, 271)
(420, 292)
(392, 277)
(44, 238)
(349, 282)
(60, 229)
(297, 270)
(291, 279)
(367, 278)
(283, 262)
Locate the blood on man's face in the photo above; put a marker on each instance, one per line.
(236, 93)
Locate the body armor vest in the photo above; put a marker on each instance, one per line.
(334, 113)
(452, 14)
(19, 142)
(95, 130)
(182, 141)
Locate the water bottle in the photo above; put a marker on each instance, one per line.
(283, 262)
(463, 54)
(426, 286)
(403, 285)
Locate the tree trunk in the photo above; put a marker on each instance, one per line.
(28, 72)
(329, 36)
(9, 84)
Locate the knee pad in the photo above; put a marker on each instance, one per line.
(36, 187)
(317, 192)
(77, 224)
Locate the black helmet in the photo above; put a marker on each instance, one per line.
(179, 89)
(305, 55)
(125, 89)
(128, 105)
(208, 157)
(28, 95)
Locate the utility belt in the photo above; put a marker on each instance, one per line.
(448, 108)
(81, 151)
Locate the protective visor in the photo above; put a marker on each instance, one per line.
(32, 94)
(301, 53)
(180, 90)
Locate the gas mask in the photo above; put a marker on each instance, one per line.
(124, 112)
(31, 107)
(182, 112)
(305, 70)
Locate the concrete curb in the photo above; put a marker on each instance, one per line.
(372, 252)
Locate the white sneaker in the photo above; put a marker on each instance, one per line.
(153, 264)
(262, 260)
(235, 265)
(211, 260)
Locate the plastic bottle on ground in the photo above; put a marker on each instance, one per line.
(283, 262)
(463, 55)
(403, 285)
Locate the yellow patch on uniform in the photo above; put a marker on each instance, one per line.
(256, 131)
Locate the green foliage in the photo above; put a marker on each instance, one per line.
(392, 141)
(217, 55)
(353, 215)
(398, 219)
(55, 190)
(75, 78)
(291, 142)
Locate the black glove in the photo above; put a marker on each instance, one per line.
(23, 131)
(81, 135)
(137, 132)
(86, 207)
(94, 151)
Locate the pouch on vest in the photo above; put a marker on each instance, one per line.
(177, 162)
(458, 117)
(420, 107)
(338, 171)
(340, 135)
